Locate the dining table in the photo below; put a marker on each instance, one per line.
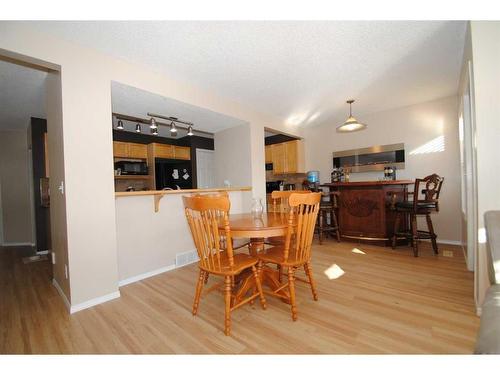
(257, 228)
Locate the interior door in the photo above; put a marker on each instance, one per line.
(205, 169)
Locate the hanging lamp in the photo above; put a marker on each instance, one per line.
(351, 124)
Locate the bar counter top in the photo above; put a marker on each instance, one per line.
(369, 183)
(182, 191)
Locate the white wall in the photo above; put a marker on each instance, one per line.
(232, 157)
(485, 41)
(414, 126)
(15, 178)
(86, 77)
(148, 241)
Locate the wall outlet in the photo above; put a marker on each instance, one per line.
(66, 270)
(53, 257)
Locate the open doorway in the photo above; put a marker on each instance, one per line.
(23, 132)
(32, 226)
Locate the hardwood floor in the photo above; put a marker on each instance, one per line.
(386, 301)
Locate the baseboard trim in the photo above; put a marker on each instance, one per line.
(94, 301)
(146, 275)
(479, 310)
(61, 293)
(447, 242)
(12, 244)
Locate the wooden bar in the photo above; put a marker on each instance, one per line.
(364, 209)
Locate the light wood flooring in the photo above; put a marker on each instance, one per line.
(387, 301)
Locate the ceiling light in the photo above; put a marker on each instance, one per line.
(138, 128)
(153, 124)
(120, 125)
(351, 124)
(190, 130)
(173, 129)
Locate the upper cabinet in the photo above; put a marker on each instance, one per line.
(130, 150)
(286, 157)
(269, 154)
(181, 152)
(164, 151)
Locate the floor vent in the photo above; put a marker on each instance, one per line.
(448, 253)
(188, 257)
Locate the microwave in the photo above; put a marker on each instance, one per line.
(132, 167)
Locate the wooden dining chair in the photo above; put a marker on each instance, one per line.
(296, 250)
(204, 215)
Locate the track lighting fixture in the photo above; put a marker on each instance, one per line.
(173, 128)
(120, 125)
(138, 128)
(154, 131)
(153, 124)
(190, 130)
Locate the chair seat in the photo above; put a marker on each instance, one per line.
(408, 205)
(241, 262)
(275, 255)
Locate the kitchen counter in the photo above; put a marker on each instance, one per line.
(369, 183)
(182, 191)
(364, 208)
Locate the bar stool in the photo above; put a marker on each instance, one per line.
(418, 207)
(328, 205)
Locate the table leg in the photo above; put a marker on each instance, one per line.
(256, 246)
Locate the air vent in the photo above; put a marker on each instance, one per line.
(186, 258)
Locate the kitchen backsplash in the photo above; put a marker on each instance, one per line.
(292, 178)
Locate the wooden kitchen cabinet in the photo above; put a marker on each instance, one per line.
(120, 149)
(285, 157)
(183, 153)
(163, 151)
(269, 154)
(130, 150)
(137, 151)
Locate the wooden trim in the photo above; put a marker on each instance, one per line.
(369, 183)
(185, 191)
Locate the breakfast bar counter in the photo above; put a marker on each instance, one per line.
(364, 208)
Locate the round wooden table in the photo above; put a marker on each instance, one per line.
(270, 224)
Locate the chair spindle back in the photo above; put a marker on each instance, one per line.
(301, 223)
(204, 214)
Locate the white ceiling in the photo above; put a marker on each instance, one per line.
(131, 101)
(301, 72)
(22, 95)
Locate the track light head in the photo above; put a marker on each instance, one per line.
(153, 124)
(138, 128)
(190, 130)
(120, 125)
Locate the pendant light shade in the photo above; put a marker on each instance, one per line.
(138, 128)
(190, 130)
(173, 128)
(153, 124)
(351, 124)
(120, 125)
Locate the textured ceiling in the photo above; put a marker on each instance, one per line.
(300, 72)
(131, 101)
(22, 95)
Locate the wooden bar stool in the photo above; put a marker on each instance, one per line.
(328, 205)
(424, 202)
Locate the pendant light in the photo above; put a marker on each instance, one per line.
(138, 128)
(351, 124)
(190, 130)
(120, 125)
(173, 128)
(153, 124)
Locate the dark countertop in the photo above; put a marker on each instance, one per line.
(369, 183)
